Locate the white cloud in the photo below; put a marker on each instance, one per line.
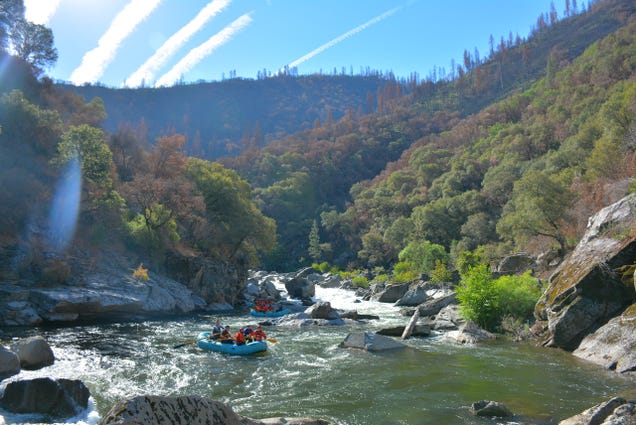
(342, 37)
(198, 53)
(95, 61)
(40, 11)
(146, 72)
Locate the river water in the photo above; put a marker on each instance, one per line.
(305, 373)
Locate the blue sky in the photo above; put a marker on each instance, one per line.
(126, 42)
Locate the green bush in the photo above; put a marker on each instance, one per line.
(486, 301)
(477, 297)
(404, 271)
(518, 295)
(440, 273)
(360, 282)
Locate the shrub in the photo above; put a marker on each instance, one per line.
(518, 295)
(477, 297)
(441, 273)
(404, 271)
(141, 273)
(486, 301)
(360, 281)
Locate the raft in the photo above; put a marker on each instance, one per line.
(271, 313)
(233, 349)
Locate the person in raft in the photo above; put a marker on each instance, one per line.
(239, 337)
(258, 334)
(226, 336)
(217, 329)
(247, 331)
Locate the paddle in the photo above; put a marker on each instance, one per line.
(272, 340)
(192, 341)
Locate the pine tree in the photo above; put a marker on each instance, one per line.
(314, 242)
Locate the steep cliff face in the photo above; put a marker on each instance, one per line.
(589, 288)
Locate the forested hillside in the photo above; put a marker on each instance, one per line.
(522, 173)
(507, 152)
(228, 117)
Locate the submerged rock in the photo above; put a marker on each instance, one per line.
(490, 409)
(370, 342)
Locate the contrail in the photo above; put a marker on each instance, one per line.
(343, 37)
(40, 11)
(198, 53)
(146, 72)
(95, 61)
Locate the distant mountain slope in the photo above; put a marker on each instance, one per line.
(221, 118)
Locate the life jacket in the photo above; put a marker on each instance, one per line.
(259, 335)
(240, 338)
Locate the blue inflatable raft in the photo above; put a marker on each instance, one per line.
(238, 350)
(271, 313)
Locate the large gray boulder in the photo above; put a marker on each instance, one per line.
(587, 289)
(60, 399)
(322, 310)
(616, 411)
(9, 363)
(392, 293)
(301, 288)
(613, 346)
(415, 295)
(370, 342)
(182, 410)
(470, 333)
(187, 410)
(33, 352)
(434, 306)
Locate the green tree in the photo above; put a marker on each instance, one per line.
(87, 144)
(315, 251)
(33, 43)
(423, 255)
(11, 11)
(238, 225)
(539, 207)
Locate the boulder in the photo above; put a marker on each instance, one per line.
(587, 289)
(62, 398)
(392, 293)
(415, 295)
(187, 410)
(616, 411)
(516, 264)
(470, 333)
(9, 363)
(613, 346)
(33, 352)
(370, 342)
(448, 318)
(490, 409)
(301, 288)
(354, 315)
(184, 410)
(435, 305)
(322, 310)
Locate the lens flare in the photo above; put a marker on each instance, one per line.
(65, 206)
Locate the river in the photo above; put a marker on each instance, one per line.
(305, 373)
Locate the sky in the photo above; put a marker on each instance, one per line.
(130, 43)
